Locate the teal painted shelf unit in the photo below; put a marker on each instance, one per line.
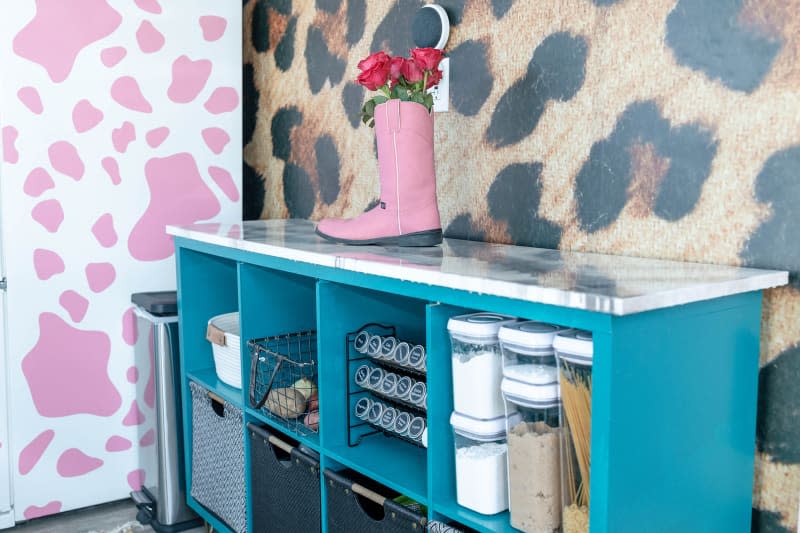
(674, 379)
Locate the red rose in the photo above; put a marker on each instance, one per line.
(375, 71)
(427, 58)
(411, 71)
(434, 78)
(396, 68)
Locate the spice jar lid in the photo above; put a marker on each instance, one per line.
(416, 358)
(479, 428)
(362, 375)
(575, 346)
(387, 347)
(416, 427)
(375, 412)
(361, 342)
(480, 328)
(401, 353)
(389, 383)
(418, 393)
(388, 417)
(401, 423)
(530, 336)
(375, 378)
(404, 385)
(531, 386)
(374, 345)
(362, 407)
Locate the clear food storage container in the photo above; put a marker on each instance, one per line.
(481, 476)
(528, 343)
(477, 364)
(574, 351)
(531, 393)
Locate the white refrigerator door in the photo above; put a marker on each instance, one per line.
(6, 516)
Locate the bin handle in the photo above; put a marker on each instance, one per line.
(215, 397)
(368, 494)
(280, 444)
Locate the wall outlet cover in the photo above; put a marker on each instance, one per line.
(441, 92)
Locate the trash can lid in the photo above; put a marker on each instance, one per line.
(161, 303)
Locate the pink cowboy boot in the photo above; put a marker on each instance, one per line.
(407, 214)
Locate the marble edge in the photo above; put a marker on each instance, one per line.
(614, 305)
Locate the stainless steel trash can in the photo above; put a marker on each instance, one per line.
(162, 505)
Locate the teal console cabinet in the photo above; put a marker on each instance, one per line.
(674, 379)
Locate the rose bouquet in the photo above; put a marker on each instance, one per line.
(405, 78)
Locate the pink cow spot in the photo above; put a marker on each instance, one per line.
(47, 263)
(132, 375)
(216, 139)
(49, 214)
(222, 100)
(235, 232)
(126, 92)
(225, 182)
(213, 27)
(75, 304)
(178, 196)
(188, 79)
(10, 154)
(129, 333)
(85, 116)
(123, 136)
(45, 41)
(66, 371)
(149, 38)
(148, 439)
(150, 387)
(135, 416)
(136, 479)
(30, 97)
(149, 5)
(65, 159)
(111, 56)
(37, 182)
(74, 463)
(103, 231)
(111, 167)
(31, 453)
(100, 276)
(115, 443)
(157, 136)
(32, 511)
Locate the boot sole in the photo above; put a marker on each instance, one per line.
(421, 238)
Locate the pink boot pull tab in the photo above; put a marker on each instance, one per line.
(408, 214)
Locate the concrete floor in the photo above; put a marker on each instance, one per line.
(115, 517)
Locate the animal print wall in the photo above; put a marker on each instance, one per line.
(658, 128)
(118, 118)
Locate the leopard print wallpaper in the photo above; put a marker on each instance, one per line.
(658, 128)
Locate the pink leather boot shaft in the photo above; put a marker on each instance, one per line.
(408, 214)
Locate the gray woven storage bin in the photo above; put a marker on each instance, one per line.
(218, 458)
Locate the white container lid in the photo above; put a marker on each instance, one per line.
(575, 346)
(528, 336)
(479, 327)
(478, 428)
(531, 385)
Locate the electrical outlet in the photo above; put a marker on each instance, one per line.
(441, 92)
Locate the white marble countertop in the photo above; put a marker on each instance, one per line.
(594, 282)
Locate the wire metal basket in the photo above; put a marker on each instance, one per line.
(283, 379)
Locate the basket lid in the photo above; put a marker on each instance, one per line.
(479, 428)
(531, 385)
(479, 327)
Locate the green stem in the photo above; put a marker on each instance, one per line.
(385, 90)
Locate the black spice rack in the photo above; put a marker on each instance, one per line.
(357, 428)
